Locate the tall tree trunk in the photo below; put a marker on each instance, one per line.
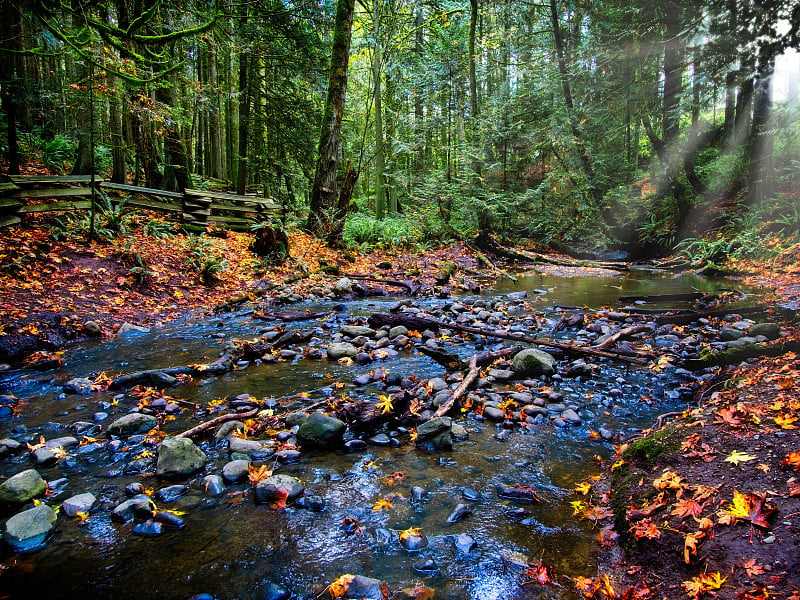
(176, 168)
(761, 179)
(380, 189)
(11, 31)
(118, 148)
(419, 137)
(473, 84)
(324, 194)
(244, 121)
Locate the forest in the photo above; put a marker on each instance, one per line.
(399, 299)
(635, 126)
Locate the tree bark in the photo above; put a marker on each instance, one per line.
(324, 195)
(380, 189)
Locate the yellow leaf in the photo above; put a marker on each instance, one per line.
(583, 488)
(339, 587)
(381, 504)
(737, 457)
(385, 404)
(786, 421)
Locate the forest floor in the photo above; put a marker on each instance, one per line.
(706, 505)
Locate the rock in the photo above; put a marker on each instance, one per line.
(22, 487)
(729, 334)
(179, 457)
(579, 369)
(771, 331)
(501, 374)
(78, 385)
(138, 507)
(570, 416)
(272, 591)
(380, 439)
(92, 329)
(226, 429)
(460, 512)
(413, 541)
(279, 488)
(235, 470)
(355, 446)
(435, 434)
(338, 350)
(426, 566)
(150, 528)
(470, 494)
(532, 362)
(365, 588)
(357, 330)
(493, 413)
(398, 330)
(213, 484)
(523, 495)
(169, 520)
(459, 433)
(28, 531)
(321, 431)
(464, 543)
(172, 492)
(255, 449)
(132, 424)
(80, 503)
(288, 457)
(128, 330)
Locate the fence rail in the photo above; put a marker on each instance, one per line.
(21, 195)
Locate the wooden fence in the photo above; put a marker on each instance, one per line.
(26, 194)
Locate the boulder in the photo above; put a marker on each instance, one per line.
(132, 424)
(279, 488)
(80, 503)
(22, 487)
(435, 434)
(255, 449)
(771, 331)
(235, 470)
(339, 350)
(138, 507)
(356, 330)
(321, 431)
(28, 531)
(343, 287)
(532, 362)
(127, 330)
(365, 588)
(179, 457)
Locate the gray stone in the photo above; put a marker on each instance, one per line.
(213, 484)
(235, 470)
(28, 530)
(22, 487)
(365, 588)
(321, 431)
(398, 330)
(570, 416)
(414, 541)
(357, 330)
(273, 591)
(501, 374)
(728, 334)
(278, 488)
(226, 429)
(459, 432)
(92, 328)
(132, 424)
(128, 330)
(339, 350)
(771, 331)
(253, 448)
(138, 507)
(179, 457)
(435, 434)
(172, 492)
(80, 503)
(493, 413)
(460, 512)
(532, 362)
(343, 286)
(78, 385)
(464, 543)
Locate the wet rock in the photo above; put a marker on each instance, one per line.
(235, 470)
(532, 362)
(78, 385)
(417, 494)
(79, 503)
(338, 350)
(606, 433)
(288, 457)
(226, 429)
(310, 503)
(28, 530)
(129, 330)
(272, 591)
(179, 457)
(728, 334)
(355, 446)
(435, 434)
(363, 380)
(570, 416)
(398, 330)
(172, 492)
(278, 488)
(459, 433)
(321, 431)
(464, 543)
(9, 446)
(426, 566)
(493, 413)
(255, 449)
(413, 541)
(132, 424)
(134, 489)
(522, 495)
(149, 528)
(22, 487)
(380, 439)
(213, 484)
(169, 520)
(501, 374)
(357, 330)
(579, 369)
(771, 331)
(365, 588)
(470, 494)
(460, 512)
(138, 507)
(343, 287)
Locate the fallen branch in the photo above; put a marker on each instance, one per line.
(411, 287)
(202, 427)
(462, 388)
(686, 318)
(622, 333)
(453, 362)
(378, 320)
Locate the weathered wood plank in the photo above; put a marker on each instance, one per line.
(7, 188)
(5, 203)
(53, 192)
(123, 187)
(9, 220)
(42, 179)
(230, 220)
(57, 206)
(151, 205)
(225, 196)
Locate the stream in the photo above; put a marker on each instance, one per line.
(232, 548)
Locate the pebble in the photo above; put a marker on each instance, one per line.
(426, 566)
(460, 512)
(149, 528)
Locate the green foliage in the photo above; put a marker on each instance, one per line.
(159, 229)
(129, 256)
(367, 232)
(59, 153)
(204, 260)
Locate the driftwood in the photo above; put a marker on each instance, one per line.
(663, 297)
(568, 321)
(453, 362)
(736, 355)
(410, 286)
(622, 333)
(380, 319)
(485, 242)
(203, 427)
(462, 388)
(288, 315)
(686, 318)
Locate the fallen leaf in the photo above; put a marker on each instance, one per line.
(736, 457)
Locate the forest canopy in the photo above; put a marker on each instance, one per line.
(636, 125)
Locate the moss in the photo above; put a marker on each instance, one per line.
(649, 448)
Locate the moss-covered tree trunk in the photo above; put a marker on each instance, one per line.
(325, 214)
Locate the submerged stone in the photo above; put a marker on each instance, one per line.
(28, 531)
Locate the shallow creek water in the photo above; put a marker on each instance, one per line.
(231, 548)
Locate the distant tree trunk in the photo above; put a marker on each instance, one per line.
(380, 189)
(325, 214)
(473, 84)
(176, 169)
(761, 179)
(118, 149)
(11, 32)
(244, 122)
(419, 137)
